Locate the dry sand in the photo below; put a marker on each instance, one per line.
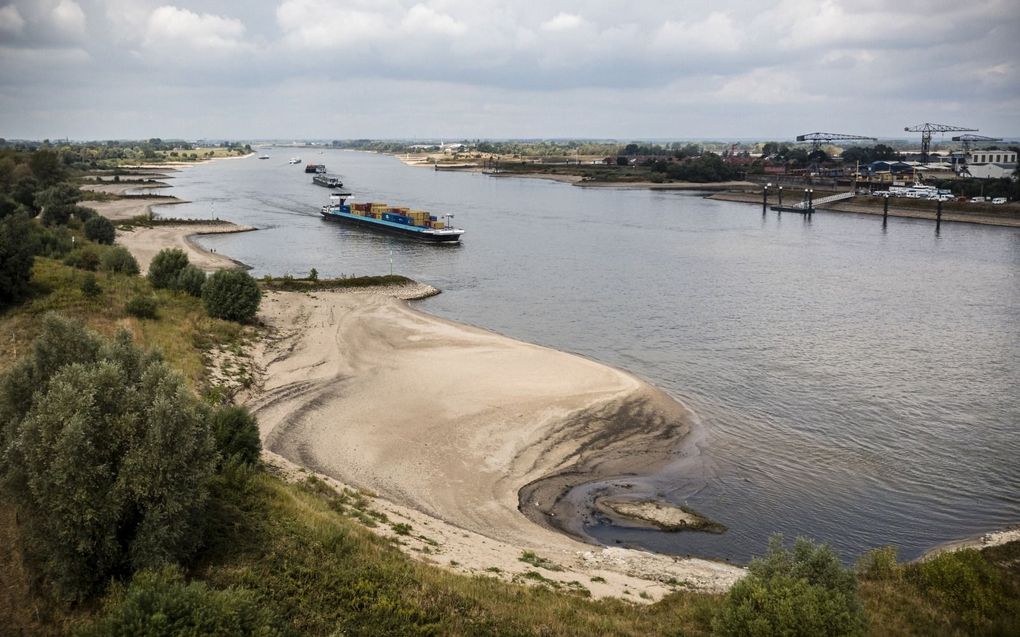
(144, 242)
(448, 423)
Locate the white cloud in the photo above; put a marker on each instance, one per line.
(764, 86)
(170, 26)
(715, 34)
(562, 22)
(426, 19)
(11, 21)
(68, 18)
(318, 24)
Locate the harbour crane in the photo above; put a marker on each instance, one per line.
(971, 139)
(926, 129)
(817, 139)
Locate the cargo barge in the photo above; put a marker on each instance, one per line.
(315, 168)
(322, 179)
(405, 222)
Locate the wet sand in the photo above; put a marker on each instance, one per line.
(449, 424)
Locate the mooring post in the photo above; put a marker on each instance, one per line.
(938, 216)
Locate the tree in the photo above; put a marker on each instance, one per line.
(806, 591)
(16, 258)
(100, 229)
(118, 259)
(90, 286)
(107, 454)
(232, 295)
(190, 279)
(166, 266)
(57, 203)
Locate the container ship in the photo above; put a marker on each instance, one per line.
(322, 179)
(416, 224)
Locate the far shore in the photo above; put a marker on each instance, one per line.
(875, 208)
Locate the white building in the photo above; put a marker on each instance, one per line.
(992, 157)
(991, 164)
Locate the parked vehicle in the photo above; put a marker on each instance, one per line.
(999, 200)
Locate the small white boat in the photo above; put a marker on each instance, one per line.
(294, 160)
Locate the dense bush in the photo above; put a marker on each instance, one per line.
(237, 434)
(51, 242)
(142, 306)
(90, 286)
(232, 295)
(166, 266)
(160, 604)
(965, 583)
(879, 565)
(83, 258)
(805, 591)
(190, 279)
(107, 455)
(16, 258)
(120, 260)
(100, 230)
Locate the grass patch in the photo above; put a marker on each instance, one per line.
(529, 557)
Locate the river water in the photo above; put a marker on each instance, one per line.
(854, 384)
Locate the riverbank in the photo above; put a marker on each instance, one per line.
(470, 419)
(1008, 217)
(144, 242)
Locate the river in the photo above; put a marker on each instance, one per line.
(854, 383)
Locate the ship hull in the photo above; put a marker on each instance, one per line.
(410, 232)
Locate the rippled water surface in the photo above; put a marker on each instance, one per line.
(854, 384)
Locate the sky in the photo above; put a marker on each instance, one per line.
(454, 69)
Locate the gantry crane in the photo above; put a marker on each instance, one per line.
(926, 129)
(817, 139)
(970, 139)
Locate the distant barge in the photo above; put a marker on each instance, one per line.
(415, 224)
(322, 179)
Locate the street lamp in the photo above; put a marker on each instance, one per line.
(780, 196)
(765, 197)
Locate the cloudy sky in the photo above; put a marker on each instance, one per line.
(92, 69)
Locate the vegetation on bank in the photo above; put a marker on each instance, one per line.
(312, 282)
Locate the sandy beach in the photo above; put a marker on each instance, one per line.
(447, 424)
(144, 242)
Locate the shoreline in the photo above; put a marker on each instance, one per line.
(458, 445)
(894, 211)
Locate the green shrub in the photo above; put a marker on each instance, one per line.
(237, 434)
(108, 456)
(965, 583)
(166, 266)
(879, 565)
(160, 604)
(100, 230)
(805, 591)
(52, 242)
(120, 260)
(90, 286)
(232, 295)
(83, 258)
(16, 258)
(190, 279)
(142, 306)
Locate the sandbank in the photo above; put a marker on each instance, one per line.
(448, 424)
(144, 242)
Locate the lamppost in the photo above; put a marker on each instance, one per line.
(765, 197)
(780, 196)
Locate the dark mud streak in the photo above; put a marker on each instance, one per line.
(617, 441)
